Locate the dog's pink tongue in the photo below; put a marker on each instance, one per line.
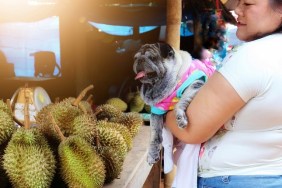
(140, 75)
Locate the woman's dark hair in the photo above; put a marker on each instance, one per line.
(276, 5)
(207, 27)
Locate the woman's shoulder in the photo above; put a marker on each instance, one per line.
(273, 40)
(260, 48)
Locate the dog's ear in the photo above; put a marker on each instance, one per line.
(166, 50)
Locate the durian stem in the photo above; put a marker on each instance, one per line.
(81, 95)
(57, 128)
(97, 112)
(8, 102)
(90, 99)
(57, 100)
(81, 107)
(26, 110)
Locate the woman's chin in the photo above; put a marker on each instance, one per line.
(242, 36)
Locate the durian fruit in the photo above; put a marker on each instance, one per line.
(7, 126)
(107, 112)
(4, 180)
(112, 160)
(132, 120)
(122, 129)
(118, 103)
(43, 121)
(137, 103)
(81, 166)
(28, 160)
(4, 107)
(85, 126)
(64, 113)
(108, 136)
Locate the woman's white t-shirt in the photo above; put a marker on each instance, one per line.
(251, 142)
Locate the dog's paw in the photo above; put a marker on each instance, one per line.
(153, 154)
(181, 118)
(152, 158)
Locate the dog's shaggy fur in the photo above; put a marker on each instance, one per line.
(159, 68)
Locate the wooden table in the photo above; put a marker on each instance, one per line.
(137, 173)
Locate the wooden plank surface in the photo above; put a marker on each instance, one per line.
(135, 168)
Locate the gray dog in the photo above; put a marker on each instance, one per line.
(166, 74)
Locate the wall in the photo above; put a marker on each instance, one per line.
(87, 57)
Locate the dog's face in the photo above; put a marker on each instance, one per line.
(152, 62)
(157, 67)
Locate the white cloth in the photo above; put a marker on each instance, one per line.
(186, 159)
(252, 140)
(168, 150)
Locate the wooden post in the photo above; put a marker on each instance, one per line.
(173, 22)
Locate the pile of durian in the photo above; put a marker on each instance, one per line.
(71, 145)
(132, 102)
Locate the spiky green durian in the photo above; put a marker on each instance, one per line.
(4, 180)
(64, 114)
(65, 111)
(107, 112)
(118, 103)
(108, 136)
(122, 129)
(85, 126)
(137, 103)
(59, 110)
(7, 126)
(28, 160)
(132, 120)
(113, 162)
(45, 125)
(81, 166)
(43, 120)
(5, 108)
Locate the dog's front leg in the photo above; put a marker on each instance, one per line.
(156, 123)
(185, 100)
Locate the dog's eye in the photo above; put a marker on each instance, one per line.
(170, 53)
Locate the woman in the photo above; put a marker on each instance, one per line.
(237, 114)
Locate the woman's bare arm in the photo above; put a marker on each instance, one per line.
(214, 104)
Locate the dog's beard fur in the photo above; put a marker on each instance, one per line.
(162, 66)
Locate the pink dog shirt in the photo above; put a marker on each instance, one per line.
(197, 70)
